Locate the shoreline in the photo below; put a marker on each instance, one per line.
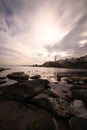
(38, 94)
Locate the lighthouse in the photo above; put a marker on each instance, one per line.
(55, 58)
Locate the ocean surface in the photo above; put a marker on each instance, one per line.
(44, 72)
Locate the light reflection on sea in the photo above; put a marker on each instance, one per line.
(44, 72)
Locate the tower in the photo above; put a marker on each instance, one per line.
(55, 58)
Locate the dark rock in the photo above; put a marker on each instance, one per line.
(13, 117)
(69, 81)
(40, 81)
(23, 90)
(1, 69)
(79, 87)
(51, 93)
(80, 94)
(55, 82)
(78, 123)
(35, 77)
(2, 78)
(18, 76)
(78, 108)
(2, 81)
(58, 107)
(58, 78)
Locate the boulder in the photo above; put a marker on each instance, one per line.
(23, 90)
(13, 117)
(78, 123)
(2, 78)
(78, 108)
(79, 87)
(58, 107)
(2, 81)
(18, 76)
(80, 94)
(35, 77)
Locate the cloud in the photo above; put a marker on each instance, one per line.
(32, 31)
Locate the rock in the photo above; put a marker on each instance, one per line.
(45, 82)
(51, 93)
(23, 90)
(35, 77)
(58, 107)
(78, 123)
(2, 78)
(78, 108)
(58, 78)
(69, 81)
(80, 94)
(1, 69)
(18, 76)
(81, 82)
(13, 117)
(2, 81)
(79, 87)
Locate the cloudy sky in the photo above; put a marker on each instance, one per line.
(34, 31)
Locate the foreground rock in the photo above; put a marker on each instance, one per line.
(80, 94)
(58, 107)
(78, 108)
(23, 90)
(2, 81)
(79, 86)
(16, 117)
(78, 123)
(18, 76)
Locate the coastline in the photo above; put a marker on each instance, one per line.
(38, 94)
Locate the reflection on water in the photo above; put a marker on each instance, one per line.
(46, 73)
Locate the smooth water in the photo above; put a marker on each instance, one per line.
(44, 72)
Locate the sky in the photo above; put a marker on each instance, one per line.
(34, 31)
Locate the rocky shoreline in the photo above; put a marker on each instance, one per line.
(32, 99)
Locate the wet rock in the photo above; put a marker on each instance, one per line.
(35, 77)
(13, 117)
(78, 123)
(69, 81)
(23, 90)
(58, 107)
(58, 78)
(2, 78)
(2, 81)
(80, 94)
(56, 83)
(18, 76)
(85, 80)
(78, 108)
(51, 93)
(79, 87)
(1, 69)
(81, 82)
(40, 81)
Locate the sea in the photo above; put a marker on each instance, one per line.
(46, 73)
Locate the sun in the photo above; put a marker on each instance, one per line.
(50, 34)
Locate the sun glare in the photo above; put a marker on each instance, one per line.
(50, 34)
